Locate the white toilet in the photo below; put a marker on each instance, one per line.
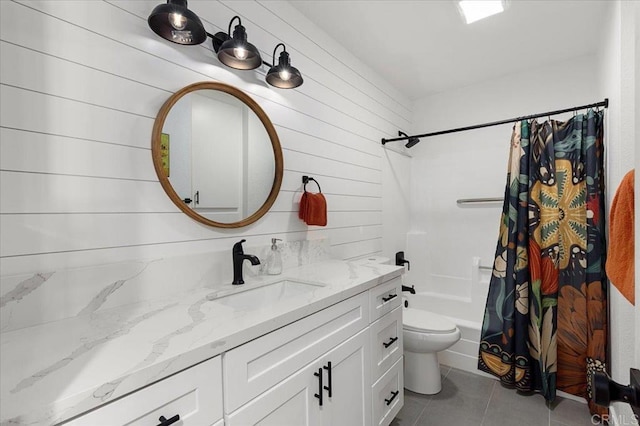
(425, 334)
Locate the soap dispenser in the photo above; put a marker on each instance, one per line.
(274, 266)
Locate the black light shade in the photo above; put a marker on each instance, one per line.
(283, 75)
(236, 52)
(174, 22)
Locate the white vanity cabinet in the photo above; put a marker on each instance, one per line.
(192, 397)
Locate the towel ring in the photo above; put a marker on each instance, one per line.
(306, 179)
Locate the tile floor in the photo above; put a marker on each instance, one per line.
(469, 399)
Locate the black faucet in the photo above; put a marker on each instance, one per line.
(238, 259)
(411, 289)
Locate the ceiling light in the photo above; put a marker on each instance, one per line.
(474, 10)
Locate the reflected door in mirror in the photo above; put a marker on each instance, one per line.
(216, 157)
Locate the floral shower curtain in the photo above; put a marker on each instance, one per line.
(545, 322)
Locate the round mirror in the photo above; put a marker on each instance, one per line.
(217, 155)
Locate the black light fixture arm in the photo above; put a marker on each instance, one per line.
(217, 39)
(603, 104)
(231, 24)
(273, 57)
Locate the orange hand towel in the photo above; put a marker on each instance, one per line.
(303, 206)
(620, 256)
(313, 209)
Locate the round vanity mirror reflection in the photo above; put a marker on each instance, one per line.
(217, 155)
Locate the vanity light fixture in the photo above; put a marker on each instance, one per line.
(173, 21)
(236, 52)
(283, 75)
(474, 10)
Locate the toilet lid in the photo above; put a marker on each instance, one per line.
(420, 320)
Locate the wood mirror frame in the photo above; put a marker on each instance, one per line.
(273, 136)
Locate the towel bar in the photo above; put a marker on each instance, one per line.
(479, 200)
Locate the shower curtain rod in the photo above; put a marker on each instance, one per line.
(604, 104)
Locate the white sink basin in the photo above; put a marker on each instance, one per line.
(267, 295)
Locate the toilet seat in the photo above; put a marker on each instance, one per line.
(426, 322)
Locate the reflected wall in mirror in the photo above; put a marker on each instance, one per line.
(217, 155)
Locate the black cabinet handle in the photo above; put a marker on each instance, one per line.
(187, 200)
(390, 342)
(328, 368)
(319, 394)
(197, 197)
(391, 296)
(166, 422)
(393, 396)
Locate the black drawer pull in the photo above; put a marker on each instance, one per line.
(319, 394)
(393, 396)
(166, 422)
(390, 342)
(391, 296)
(328, 368)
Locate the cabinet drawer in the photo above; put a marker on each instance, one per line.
(386, 342)
(385, 404)
(194, 394)
(385, 298)
(251, 369)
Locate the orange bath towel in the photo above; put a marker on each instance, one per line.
(620, 256)
(313, 209)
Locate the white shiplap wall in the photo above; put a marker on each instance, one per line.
(81, 84)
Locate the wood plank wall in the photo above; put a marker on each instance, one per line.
(81, 84)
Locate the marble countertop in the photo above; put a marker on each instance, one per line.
(54, 371)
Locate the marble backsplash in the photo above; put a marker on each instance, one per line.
(45, 296)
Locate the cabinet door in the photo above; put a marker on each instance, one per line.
(350, 400)
(292, 402)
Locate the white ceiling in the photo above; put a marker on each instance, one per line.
(424, 47)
